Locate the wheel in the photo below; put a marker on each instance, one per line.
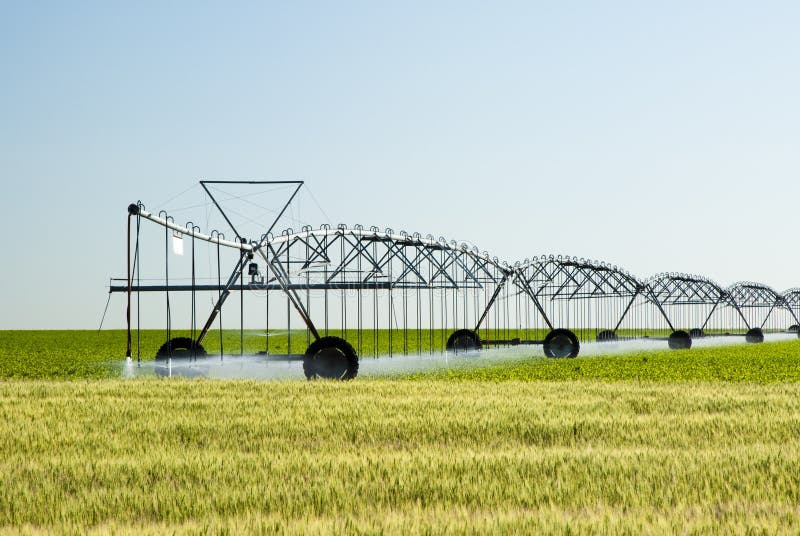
(695, 333)
(754, 335)
(463, 340)
(561, 343)
(606, 336)
(181, 350)
(794, 328)
(330, 358)
(679, 340)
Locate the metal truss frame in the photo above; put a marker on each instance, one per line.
(749, 294)
(685, 289)
(355, 258)
(557, 277)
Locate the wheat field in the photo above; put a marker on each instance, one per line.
(389, 456)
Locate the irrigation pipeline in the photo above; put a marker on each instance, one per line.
(344, 282)
(138, 210)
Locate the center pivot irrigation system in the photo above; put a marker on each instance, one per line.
(358, 291)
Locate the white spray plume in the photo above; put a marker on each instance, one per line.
(255, 367)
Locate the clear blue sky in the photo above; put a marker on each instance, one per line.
(659, 136)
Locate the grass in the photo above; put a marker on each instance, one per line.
(93, 354)
(705, 440)
(87, 354)
(49, 353)
(398, 456)
(770, 362)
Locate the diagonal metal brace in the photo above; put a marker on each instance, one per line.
(283, 279)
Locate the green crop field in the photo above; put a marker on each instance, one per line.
(705, 440)
(93, 354)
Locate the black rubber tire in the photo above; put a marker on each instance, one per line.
(463, 340)
(606, 336)
(181, 349)
(330, 358)
(794, 328)
(754, 336)
(695, 333)
(561, 343)
(679, 340)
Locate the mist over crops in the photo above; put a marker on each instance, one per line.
(91, 354)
